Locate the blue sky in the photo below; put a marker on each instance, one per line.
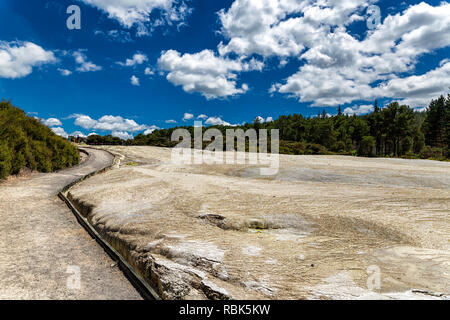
(140, 64)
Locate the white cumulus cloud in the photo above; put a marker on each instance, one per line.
(65, 72)
(358, 110)
(187, 116)
(150, 130)
(149, 72)
(78, 134)
(340, 68)
(134, 80)
(60, 132)
(137, 13)
(83, 64)
(110, 123)
(418, 91)
(122, 135)
(138, 58)
(283, 28)
(51, 122)
(259, 119)
(217, 121)
(17, 59)
(204, 72)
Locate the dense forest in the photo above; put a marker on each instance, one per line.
(27, 143)
(393, 131)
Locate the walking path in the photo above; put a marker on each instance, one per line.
(42, 246)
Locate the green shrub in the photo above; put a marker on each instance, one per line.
(366, 146)
(432, 153)
(26, 143)
(340, 147)
(5, 160)
(316, 149)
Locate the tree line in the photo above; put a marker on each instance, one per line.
(394, 131)
(26, 143)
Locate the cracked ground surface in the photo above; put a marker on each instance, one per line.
(42, 244)
(316, 230)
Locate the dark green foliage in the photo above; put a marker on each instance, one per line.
(26, 143)
(393, 131)
(105, 140)
(436, 126)
(367, 146)
(5, 160)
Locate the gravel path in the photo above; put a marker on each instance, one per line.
(42, 246)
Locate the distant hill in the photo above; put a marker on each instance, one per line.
(27, 143)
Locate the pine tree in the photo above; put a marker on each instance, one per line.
(447, 124)
(375, 106)
(435, 126)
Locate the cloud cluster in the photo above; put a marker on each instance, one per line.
(17, 59)
(188, 116)
(135, 81)
(51, 122)
(418, 90)
(117, 125)
(209, 120)
(358, 110)
(56, 126)
(215, 121)
(64, 72)
(138, 58)
(205, 72)
(150, 131)
(148, 71)
(83, 64)
(137, 13)
(340, 68)
(202, 117)
(260, 119)
(283, 28)
(60, 132)
(337, 66)
(109, 123)
(122, 135)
